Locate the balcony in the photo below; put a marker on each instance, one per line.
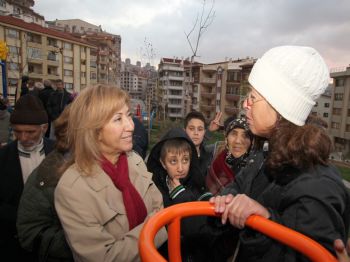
(208, 81)
(205, 107)
(174, 96)
(171, 68)
(208, 95)
(209, 68)
(231, 110)
(35, 74)
(232, 97)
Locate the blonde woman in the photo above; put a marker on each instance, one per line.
(105, 195)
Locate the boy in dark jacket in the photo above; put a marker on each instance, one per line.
(174, 164)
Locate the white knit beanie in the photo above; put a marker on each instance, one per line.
(291, 78)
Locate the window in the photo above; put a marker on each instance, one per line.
(233, 76)
(325, 114)
(68, 60)
(347, 128)
(335, 125)
(68, 86)
(13, 66)
(93, 75)
(13, 49)
(12, 82)
(16, 10)
(336, 111)
(52, 71)
(68, 72)
(326, 105)
(93, 64)
(338, 96)
(339, 82)
(34, 38)
(83, 74)
(68, 46)
(51, 42)
(12, 33)
(316, 104)
(51, 56)
(34, 53)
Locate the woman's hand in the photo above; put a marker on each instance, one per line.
(215, 123)
(240, 208)
(220, 202)
(341, 251)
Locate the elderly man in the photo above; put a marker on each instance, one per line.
(17, 160)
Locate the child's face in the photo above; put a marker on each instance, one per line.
(177, 165)
(195, 129)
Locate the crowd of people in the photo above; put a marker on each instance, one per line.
(77, 183)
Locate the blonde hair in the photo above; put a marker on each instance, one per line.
(89, 112)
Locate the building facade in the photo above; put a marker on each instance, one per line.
(21, 9)
(42, 53)
(339, 121)
(171, 88)
(106, 59)
(322, 107)
(223, 87)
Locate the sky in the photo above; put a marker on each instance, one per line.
(240, 28)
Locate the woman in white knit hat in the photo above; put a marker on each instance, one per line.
(294, 184)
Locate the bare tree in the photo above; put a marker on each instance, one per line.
(203, 20)
(148, 52)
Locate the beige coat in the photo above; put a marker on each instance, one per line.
(93, 215)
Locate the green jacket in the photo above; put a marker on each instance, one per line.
(38, 226)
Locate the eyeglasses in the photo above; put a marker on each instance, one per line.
(250, 100)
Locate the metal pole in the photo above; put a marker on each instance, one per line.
(4, 80)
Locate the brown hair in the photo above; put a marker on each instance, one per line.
(194, 115)
(297, 147)
(89, 112)
(61, 128)
(175, 145)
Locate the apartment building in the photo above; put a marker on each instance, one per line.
(171, 88)
(74, 26)
(339, 121)
(138, 81)
(106, 59)
(223, 87)
(21, 9)
(322, 107)
(43, 53)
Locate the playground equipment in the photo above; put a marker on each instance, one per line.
(171, 216)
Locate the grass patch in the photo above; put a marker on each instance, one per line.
(345, 172)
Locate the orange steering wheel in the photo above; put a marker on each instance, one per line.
(171, 216)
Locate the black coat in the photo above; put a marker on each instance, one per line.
(313, 202)
(58, 100)
(11, 187)
(45, 94)
(39, 228)
(201, 238)
(140, 138)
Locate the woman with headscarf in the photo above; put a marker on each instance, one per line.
(230, 159)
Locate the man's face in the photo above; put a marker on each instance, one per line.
(59, 85)
(29, 135)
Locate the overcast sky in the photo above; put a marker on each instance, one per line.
(241, 28)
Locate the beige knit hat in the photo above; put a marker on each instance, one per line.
(291, 78)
